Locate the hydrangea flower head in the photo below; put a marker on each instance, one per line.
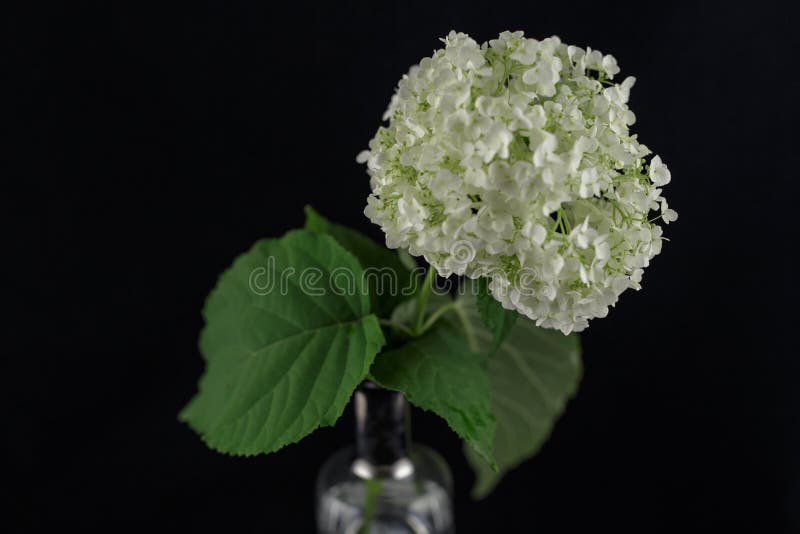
(514, 160)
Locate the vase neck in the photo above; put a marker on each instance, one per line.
(382, 436)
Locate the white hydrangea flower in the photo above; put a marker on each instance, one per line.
(514, 160)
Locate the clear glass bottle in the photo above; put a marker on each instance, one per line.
(384, 485)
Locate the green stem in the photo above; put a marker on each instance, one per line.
(565, 221)
(558, 222)
(463, 319)
(423, 326)
(470, 333)
(422, 302)
(373, 490)
(435, 316)
(403, 328)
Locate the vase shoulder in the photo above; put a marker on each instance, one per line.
(384, 484)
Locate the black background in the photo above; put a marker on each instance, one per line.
(158, 141)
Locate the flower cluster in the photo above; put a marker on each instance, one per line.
(513, 160)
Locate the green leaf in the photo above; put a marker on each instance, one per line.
(498, 319)
(390, 279)
(532, 375)
(281, 360)
(438, 372)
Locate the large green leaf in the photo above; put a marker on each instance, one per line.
(390, 277)
(281, 360)
(499, 320)
(532, 376)
(438, 372)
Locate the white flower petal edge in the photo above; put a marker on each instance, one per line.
(513, 160)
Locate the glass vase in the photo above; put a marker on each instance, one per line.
(384, 484)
